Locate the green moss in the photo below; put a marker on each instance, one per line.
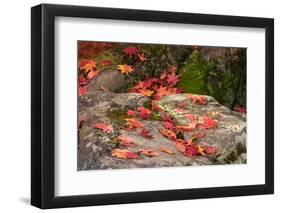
(118, 116)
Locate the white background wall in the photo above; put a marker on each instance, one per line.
(15, 105)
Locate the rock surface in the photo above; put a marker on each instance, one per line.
(95, 147)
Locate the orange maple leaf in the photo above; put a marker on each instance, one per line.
(163, 91)
(188, 127)
(124, 154)
(125, 141)
(168, 134)
(146, 92)
(107, 128)
(134, 123)
(91, 74)
(125, 68)
(148, 152)
(87, 65)
(200, 99)
(141, 57)
(166, 150)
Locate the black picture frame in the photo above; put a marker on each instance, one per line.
(43, 102)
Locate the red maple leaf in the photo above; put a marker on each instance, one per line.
(145, 133)
(130, 51)
(82, 90)
(107, 128)
(131, 113)
(240, 109)
(168, 125)
(144, 113)
(106, 62)
(188, 127)
(206, 123)
(155, 106)
(191, 150)
(172, 79)
(141, 57)
(210, 150)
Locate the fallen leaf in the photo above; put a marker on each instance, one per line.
(107, 128)
(180, 146)
(124, 154)
(106, 62)
(130, 51)
(92, 74)
(166, 150)
(168, 134)
(200, 99)
(201, 150)
(125, 141)
(210, 150)
(145, 133)
(131, 113)
(145, 92)
(168, 125)
(144, 113)
(240, 109)
(188, 127)
(82, 90)
(206, 123)
(148, 153)
(134, 123)
(126, 69)
(191, 150)
(141, 57)
(87, 65)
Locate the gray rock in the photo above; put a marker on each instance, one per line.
(94, 148)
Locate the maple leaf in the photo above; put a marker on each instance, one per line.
(240, 109)
(191, 150)
(144, 113)
(168, 125)
(201, 150)
(125, 68)
(145, 133)
(82, 80)
(168, 134)
(155, 106)
(87, 65)
(130, 51)
(134, 123)
(125, 141)
(166, 150)
(180, 146)
(199, 135)
(181, 104)
(107, 128)
(172, 79)
(146, 92)
(124, 154)
(190, 117)
(200, 99)
(188, 127)
(131, 113)
(106, 62)
(210, 150)
(82, 90)
(91, 74)
(148, 152)
(163, 91)
(141, 57)
(180, 111)
(207, 123)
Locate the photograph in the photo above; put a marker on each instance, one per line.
(145, 105)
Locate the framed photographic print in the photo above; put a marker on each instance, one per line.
(140, 106)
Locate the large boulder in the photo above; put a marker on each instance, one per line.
(95, 147)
